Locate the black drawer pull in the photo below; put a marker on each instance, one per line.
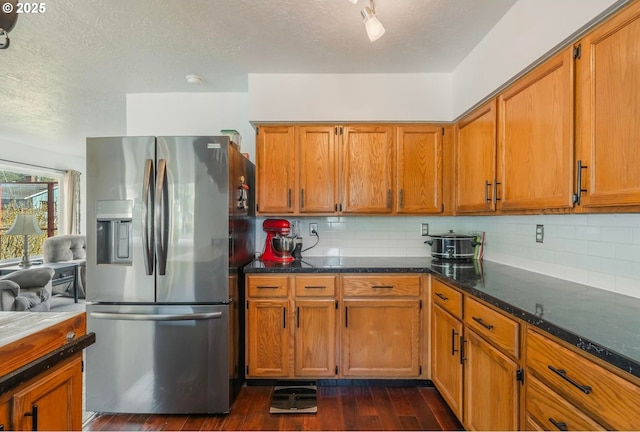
(315, 286)
(560, 425)
(442, 297)
(382, 286)
(34, 417)
(563, 374)
(267, 287)
(482, 323)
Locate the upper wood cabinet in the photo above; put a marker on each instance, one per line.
(367, 169)
(419, 167)
(475, 161)
(535, 138)
(317, 169)
(608, 93)
(275, 169)
(354, 169)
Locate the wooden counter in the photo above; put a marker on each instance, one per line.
(41, 369)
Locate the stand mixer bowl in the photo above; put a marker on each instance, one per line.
(283, 246)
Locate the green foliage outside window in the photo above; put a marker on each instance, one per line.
(28, 194)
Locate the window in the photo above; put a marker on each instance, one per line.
(33, 193)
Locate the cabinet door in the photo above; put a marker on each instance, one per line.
(380, 338)
(535, 138)
(475, 165)
(419, 169)
(268, 338)
(317, 169)
(56, 400)
(446, 365)
(5, 414)
(367, 171)
(275, 166)
(609, 103)
(490, 387)
(315, 338)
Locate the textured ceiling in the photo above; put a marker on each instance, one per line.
(67, 71)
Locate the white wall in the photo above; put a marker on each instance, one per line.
(529, 30)
(190, 114)
(349, 97)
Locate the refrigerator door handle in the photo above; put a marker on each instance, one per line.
(147, 231)
(162, 217)
(156, 317)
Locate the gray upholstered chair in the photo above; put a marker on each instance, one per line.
(69, 247)
(26, 290)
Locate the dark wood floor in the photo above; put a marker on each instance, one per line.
(339, 408)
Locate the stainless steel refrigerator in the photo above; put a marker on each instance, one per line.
(170, 223)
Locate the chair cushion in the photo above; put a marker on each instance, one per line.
(64, 248)
(27, 300)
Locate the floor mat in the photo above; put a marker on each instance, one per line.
(294, 400)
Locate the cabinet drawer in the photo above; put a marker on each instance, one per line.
(446, 297)
(381, 286)
(494, 326)
(608, 398)
(268, 286)
(316, 286)
(552, 411)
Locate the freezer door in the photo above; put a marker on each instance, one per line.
(158, 359)
(192, 219)
(120, 175)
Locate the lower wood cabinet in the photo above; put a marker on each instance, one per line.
(50, 401)
(491, 391)
(602, 396)
(267, 338)
(474, 359)
(315, 338)
(334, 326)
(446, 357)
(380, 338)
(551, 411)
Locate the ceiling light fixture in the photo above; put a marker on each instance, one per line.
(371, 23)
(194, 79)
(354, 1)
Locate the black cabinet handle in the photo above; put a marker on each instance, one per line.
(487, 185)
(298, 317)
(495, 191)
(482, 323)
(401, 198)
(453, 342)
(388, 198)
(442, 297)
(34, 417)
(267, 287)
(346, 316)
(462, 342)
(560, 425)
(289, 199)
(301, 198)
(284, 317)
(563, 374)
(579, 190)
(382, 286)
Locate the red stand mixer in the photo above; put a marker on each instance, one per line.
(278, 245)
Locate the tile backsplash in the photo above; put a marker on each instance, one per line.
(601, 250)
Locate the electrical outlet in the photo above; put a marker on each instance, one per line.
(313, 227)
(424, 229)
(540, 233)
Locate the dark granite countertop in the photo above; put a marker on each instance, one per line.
(600, 322)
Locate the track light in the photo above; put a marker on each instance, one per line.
(371, 23)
